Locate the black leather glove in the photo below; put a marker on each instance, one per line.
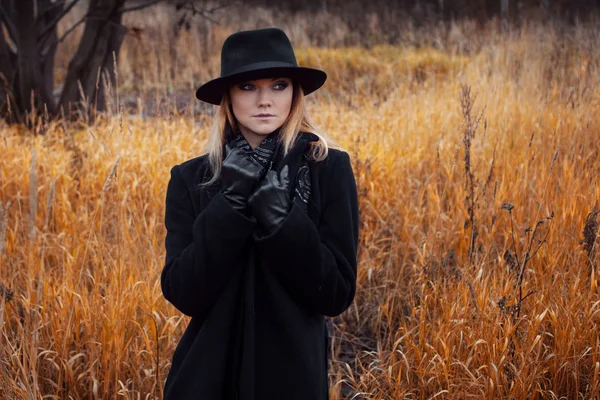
(240, 173)
(271, 203)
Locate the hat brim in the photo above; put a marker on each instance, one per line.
(310, 79)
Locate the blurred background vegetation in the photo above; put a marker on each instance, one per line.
(58, 58)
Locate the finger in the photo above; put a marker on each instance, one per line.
(272, 177)
(252, 198)
(257, 193)
(255, 162)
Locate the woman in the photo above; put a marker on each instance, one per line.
(262, 234)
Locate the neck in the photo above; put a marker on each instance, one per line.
(254, 140)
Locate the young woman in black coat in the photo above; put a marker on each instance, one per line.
(262, 234)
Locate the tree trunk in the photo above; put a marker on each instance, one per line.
(8, 75)
(27, 59)
(103, 35)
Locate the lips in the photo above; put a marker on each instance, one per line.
(264, 115)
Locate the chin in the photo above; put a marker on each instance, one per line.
(264, 130)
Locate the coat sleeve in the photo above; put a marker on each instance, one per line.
(318, 266)
(201, 252)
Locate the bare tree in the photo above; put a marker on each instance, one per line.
(27, 54)
(28, 41)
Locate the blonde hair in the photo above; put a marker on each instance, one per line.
(297, 120)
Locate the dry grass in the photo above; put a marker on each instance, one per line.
(463, 292)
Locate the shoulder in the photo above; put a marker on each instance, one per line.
(336, 156)
(336, 159)
(336, 180)
(188, 176)
(192, 171)
(334, 172)
(192, 165)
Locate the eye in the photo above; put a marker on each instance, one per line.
(282, 84)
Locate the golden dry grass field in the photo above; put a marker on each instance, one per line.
(478, 177)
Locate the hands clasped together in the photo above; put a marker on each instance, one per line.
(253, 190)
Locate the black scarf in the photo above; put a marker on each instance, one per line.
(239, 380)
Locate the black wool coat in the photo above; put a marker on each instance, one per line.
(301, 272)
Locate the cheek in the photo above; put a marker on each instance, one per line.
(286, 100)
(239, 104)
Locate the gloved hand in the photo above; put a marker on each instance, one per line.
(240, 173)
(271, 203)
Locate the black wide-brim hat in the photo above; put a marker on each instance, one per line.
(257, 54)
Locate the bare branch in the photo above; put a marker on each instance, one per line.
(10, 26)
(190, 6)
(53, 24)
(210, 10)
(71, 29)
(139, 6)
(214, 21)
(86, 16)
(67, 32)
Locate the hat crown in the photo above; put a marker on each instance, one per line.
(255, 54)
(245, 48)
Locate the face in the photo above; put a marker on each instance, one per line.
(250, 99)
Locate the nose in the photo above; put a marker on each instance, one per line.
(264, 98)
